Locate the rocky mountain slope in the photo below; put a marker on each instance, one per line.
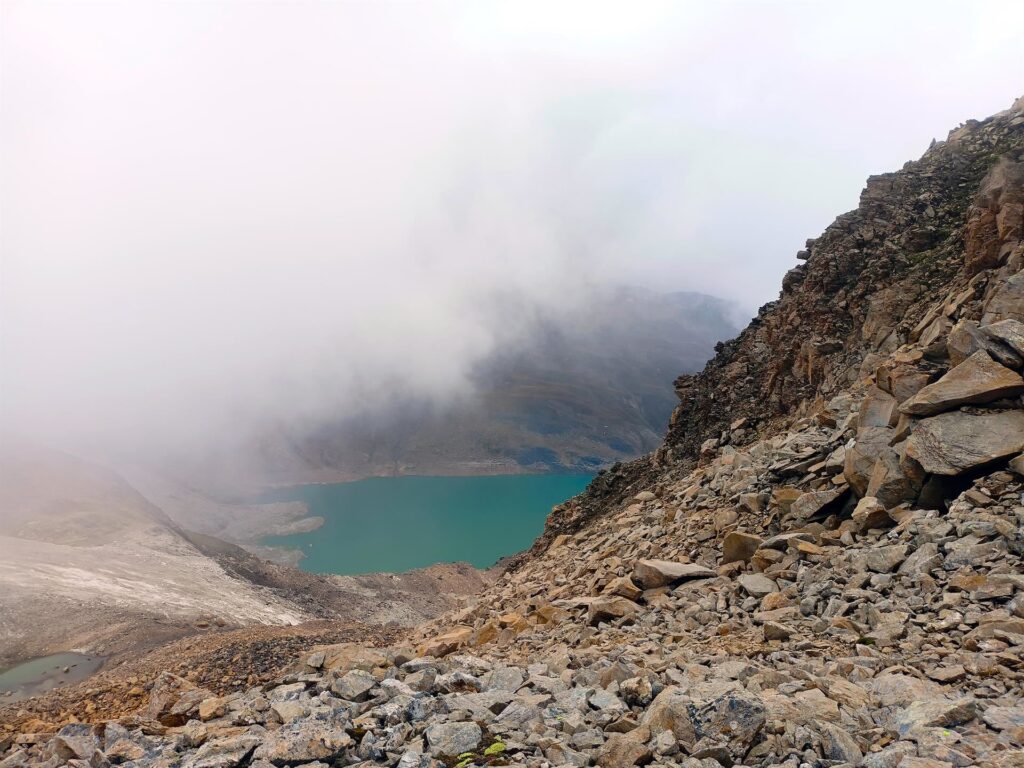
(822, 566)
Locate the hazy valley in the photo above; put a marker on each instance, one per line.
(367, 400)
(576, 389)
(114, 561)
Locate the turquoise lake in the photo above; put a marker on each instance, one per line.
(401, 523)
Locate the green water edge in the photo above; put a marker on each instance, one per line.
(37, 676)
(401, 523)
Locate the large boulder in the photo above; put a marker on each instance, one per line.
(623, 586)
(1017, 464)
(955, 442)
(1009, 334)
(1004, 718)
(739, 546)
(354, 685)
(623, 750)
(967, 337)
(449, 642)
(934, 713)
(978, 379)
(453, 739)
(889, 482)
(735, 718)
(816, 503)
(880, 559)
(860, 459)
(871, 513)
(671, 711)
(1006, 301)
(173, 699)
(225, 751)
(878, 409)
(76, 741)
(302, 741)
(609, 609)
(346, 656)
(651, 574)
(838, 744)
(901, 380)
(757, 585)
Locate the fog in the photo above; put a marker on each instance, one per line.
(218, 214)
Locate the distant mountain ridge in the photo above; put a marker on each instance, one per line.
(585, 387)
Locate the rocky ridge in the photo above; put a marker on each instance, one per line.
(823, 566)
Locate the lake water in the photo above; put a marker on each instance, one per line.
(44, 674)
(401, 523)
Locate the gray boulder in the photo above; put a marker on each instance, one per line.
(1009, 334)
(354, 685)
(303, 741)
(650, 574)
(735, 719)
(452, 739)
(955, 442)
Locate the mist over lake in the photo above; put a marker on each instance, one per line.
(401, 523)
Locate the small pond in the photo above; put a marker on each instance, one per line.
(37, 676)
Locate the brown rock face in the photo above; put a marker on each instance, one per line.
(609, 609)
(815, 502)
(739, 547)
(966, 338)
(447, 643)
(878, 409)
(861, 457)
(997, 217)
(885, 292)
(978, 379)
(955, 442)
(902, 381)
(1006, 301)
(865, 283)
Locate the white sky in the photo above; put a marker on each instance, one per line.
(265, 208)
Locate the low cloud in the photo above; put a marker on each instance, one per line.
(220, 214)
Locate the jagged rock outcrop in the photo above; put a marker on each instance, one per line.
(902, 268)
(824, 565)
(866, 285)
